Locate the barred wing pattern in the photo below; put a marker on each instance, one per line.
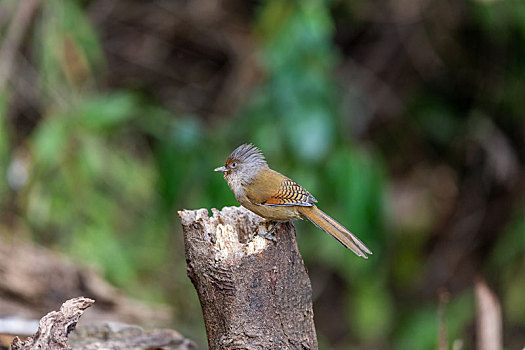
(290, 193)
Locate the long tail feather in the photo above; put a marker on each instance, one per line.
(335, 229)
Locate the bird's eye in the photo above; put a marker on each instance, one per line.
(233, 165)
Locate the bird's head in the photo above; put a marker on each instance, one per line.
(243, 164)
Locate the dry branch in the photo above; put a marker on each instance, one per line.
(254, 293)
(55, 327)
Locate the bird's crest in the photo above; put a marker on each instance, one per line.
(246, 153)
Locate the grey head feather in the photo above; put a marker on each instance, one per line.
(251, 161)
(248, 154)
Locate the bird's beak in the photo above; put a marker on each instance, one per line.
(221, 169)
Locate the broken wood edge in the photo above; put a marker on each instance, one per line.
(230, 241)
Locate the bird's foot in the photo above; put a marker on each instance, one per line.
(271, 234)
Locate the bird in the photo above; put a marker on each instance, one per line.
(277, 198)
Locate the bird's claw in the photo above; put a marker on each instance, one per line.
(270, 235)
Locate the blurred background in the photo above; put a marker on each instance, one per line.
(405, 119)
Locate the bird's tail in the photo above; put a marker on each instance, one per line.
(335, 229)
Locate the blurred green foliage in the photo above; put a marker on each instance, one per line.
(508, 264)
(418, 330)
(88, 191)
(109, 167)
(69, 51)
(299, 94)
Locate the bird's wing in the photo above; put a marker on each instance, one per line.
(290, 193)
(274, 189)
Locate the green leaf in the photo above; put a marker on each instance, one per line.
(104, 112)
(50, 142)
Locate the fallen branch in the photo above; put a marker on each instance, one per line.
(55, 327)
(129, 337)
(57, 330)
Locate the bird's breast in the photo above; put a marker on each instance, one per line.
(236, 187)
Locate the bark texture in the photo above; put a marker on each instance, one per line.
(255, 293)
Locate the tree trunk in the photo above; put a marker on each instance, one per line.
(254, 292)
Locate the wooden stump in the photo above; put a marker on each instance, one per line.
(255, 293)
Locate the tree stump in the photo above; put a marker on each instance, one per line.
(255, 293)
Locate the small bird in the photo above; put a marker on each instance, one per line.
(275, 197)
